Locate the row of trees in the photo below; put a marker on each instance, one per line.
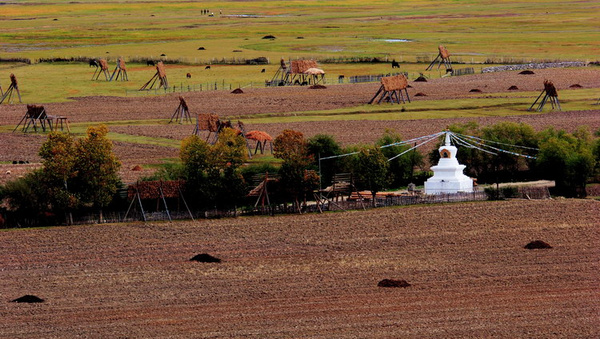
(82, 174)
(76, 174)
(570, 159)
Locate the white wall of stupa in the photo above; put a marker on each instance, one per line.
(448, 176)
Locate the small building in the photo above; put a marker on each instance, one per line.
(448, 174)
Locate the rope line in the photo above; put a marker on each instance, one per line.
(480, 144)
(410, 149)
(495, 142)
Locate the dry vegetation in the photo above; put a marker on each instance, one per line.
(314, 275)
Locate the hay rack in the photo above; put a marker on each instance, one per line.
(342, 187)
(161, 75)
(300, 72)
(36, 115)
(391, 89)
(262, 139)
(153, 193)
(262, 184)
(120, 71)
(549, 93)
(102, 68)
(182, 113)
(14, 87)
(442, 57)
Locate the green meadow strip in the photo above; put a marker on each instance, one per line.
(144, 140)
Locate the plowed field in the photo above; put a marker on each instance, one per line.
(313, 275)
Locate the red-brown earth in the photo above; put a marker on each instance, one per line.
(313, 276)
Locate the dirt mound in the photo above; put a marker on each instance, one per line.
(475, 90)
(393, 283)
(513, 88)
(526, 72)
(237, 91)
(317, 87)
(576, 86)
(537, 244)
(420, 94)
(28, 299)
(204, 257)
(420, 79)
(136, 168)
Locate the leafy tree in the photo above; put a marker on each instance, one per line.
(230, 150)
(75, 174)
(292, 148)
(371, 169)
(401, 169)
(596, 153)
(96, 167)
(25, 199)
(505, 166)
(567, 159)
(321, 146)
(196, 157)
(212, 172)
(502, 166)
(58, 159)
(291, 145)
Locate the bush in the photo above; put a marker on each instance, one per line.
(509, 192)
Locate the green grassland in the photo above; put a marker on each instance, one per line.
(473, 31)
(532, 29)
(57, 82)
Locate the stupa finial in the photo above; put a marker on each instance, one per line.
(447, 142)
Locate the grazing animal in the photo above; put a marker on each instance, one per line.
(94, 63)
(395, 64)
(207, 67)
(341, 78)
(263, 70)
(189, 75)
(150, 63)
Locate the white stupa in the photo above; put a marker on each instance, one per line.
(448, 175)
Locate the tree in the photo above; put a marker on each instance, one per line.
(230, 150)
(96, 169)
(196, 157)
(371, 169)
(502, 166)
(292, 148)
(212, 172)
(25, 200)
(401, 169)
(506, 166)
(567, 159)
(58, 159)
(596, 153)
(291, 145)
(321, 146)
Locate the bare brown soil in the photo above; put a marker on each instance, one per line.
(313, 276)
(294, 99)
